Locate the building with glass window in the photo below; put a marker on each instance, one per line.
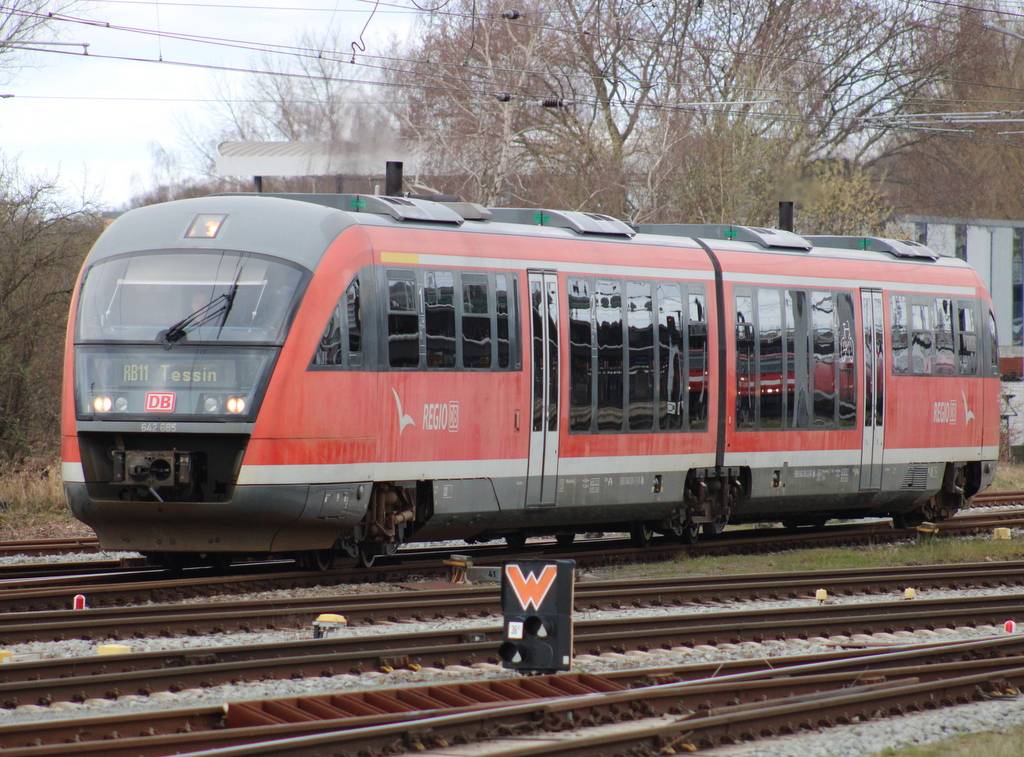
(995, 249)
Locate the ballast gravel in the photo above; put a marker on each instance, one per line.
(860, 740)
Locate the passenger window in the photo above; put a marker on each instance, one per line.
(769, 384)
(993, 342)
(697, 363)
(501, 305)
(967, 339)
(945, 364)
(354, 323)
(670, 358)
(580, 355)
(922, 338)
(346, 317)
(476, 322)
(640, 324)
(746, 376)
(403, 320)
(898, 318)
(439, 307)
(609, 356)
(846, 367)
(328, 352)
(824, 372)
(798, 365)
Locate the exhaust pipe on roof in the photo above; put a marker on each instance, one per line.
(393, 179)
(786, 215)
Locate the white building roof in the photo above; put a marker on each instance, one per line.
(307, 158)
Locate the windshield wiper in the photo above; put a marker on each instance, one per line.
(231, 301)
(221, 304)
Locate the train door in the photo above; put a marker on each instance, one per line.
(874, 384)
(543, 470)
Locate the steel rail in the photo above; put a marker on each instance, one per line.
(681, 716)
(483, 600)
(134, 582)
(110, 676)
(646, 692)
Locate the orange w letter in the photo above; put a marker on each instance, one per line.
(531, 590)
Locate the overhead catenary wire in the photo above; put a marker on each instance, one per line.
(299, 51)
(467, 91)
(296, 50)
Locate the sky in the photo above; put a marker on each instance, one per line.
(91, 121)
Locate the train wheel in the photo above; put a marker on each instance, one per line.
(367, 554)
(317, 560)
(516, 540)
(640, 534)
(690, 533)
(565, 540)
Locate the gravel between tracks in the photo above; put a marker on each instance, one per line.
(846, 741)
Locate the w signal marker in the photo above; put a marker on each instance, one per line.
(531, 589)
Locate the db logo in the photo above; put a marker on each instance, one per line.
(160, 402)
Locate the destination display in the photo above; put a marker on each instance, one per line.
(213, 373)
(120, 382)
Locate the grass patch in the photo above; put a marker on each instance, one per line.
(32, 505)
(1009, 478)
(1008, 744)
(924, 552)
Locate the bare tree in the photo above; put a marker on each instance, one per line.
(971, 165)
(23, 22)
(706, 109)
(312, 96)
(44, 237)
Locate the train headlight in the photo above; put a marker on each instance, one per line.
(236, 405)
(121, 404)
(211, 404)
(102, 404)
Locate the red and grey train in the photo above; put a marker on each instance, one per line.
(319, 375)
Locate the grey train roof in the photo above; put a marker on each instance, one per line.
(301, 227)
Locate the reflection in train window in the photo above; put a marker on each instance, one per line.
(653, 377)
(581, 369)
(846, 371)
(945, 364)
(476, 321)
(900, 332)
(823, 371)
(967, 339)
(640, 328)
(746, 368)
(403, 320)
(798, 367)
(670, 357)
(609, 355)
(439, 306)
(697, 362)
(769, 381)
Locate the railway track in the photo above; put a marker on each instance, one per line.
(48, 681)
(112, 676)
(697, 705)
(430, 602)
(29, 588)
(49, 546)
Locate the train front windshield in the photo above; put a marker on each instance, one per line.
(191, 335)
(137, 298)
